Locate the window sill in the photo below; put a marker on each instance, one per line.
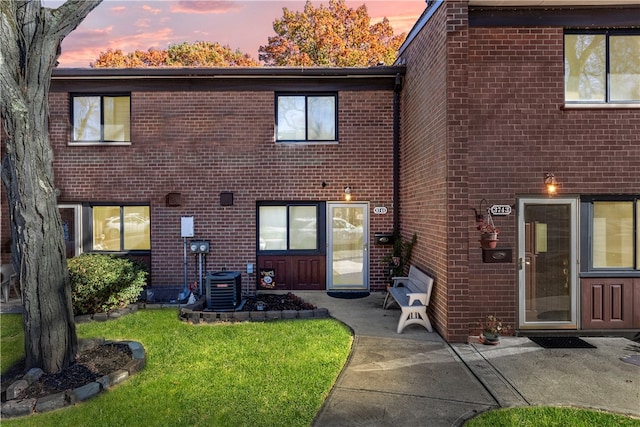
(99, 144)
(600, 106)
(609, 274)
(307, 142)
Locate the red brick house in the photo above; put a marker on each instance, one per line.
(254, 162)
(488, 98)
(497, 94)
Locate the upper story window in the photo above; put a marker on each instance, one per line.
(101, 118)
(306, 117)
(613, 231)
(602, 67)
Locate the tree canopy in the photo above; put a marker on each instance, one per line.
(333, 36)
(326, 36)
(198, 54)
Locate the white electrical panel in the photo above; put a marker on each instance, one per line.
(186, 226)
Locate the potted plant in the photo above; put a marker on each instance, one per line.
(400, 256)
(492, 327)
(488, 233)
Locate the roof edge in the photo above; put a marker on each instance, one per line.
(417, 27)
(226, 72)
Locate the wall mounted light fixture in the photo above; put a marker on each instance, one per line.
(347, 194)
(550, 183)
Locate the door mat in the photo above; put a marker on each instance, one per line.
(634, 359)
(561, 342)
(348, 294)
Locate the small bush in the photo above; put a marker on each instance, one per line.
(101, 283)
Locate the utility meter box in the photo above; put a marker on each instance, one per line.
(186, 226)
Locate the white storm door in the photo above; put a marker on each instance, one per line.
(347, 246)
(547, 263)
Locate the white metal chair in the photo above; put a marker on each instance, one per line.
(8, 281)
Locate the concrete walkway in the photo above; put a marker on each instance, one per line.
(417, 379)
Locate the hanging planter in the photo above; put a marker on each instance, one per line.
(488, 233)
(489, 240)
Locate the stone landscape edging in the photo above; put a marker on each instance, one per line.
(14, 407)
(194, 313)
(103, 317)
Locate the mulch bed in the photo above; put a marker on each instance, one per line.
(271, 302)
(89, 366)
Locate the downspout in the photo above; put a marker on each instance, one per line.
(396, 154)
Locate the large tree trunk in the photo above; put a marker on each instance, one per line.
(30, 36)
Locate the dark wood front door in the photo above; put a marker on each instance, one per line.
(294, 272)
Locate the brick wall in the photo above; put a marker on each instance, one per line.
(200, 144)
(519, 130)
(483, 118)
(423, 171)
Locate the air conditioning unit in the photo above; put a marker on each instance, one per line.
(223, 290)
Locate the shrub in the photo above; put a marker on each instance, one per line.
(101, 283)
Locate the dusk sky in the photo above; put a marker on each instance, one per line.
(244, 25)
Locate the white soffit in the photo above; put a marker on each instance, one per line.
(551, 3)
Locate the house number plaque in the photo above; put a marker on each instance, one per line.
(500, 210)
(380, 210)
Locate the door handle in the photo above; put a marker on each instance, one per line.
(522, 262)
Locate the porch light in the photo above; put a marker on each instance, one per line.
(347, 194)
(550, 183)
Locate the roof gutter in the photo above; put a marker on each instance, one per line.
(396, 153)
(224, 73)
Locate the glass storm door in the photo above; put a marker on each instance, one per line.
(347, 243)
(547, 263)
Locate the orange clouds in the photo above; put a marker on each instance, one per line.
(150, 9)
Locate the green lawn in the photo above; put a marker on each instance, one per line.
(245, 374)
(545, 416)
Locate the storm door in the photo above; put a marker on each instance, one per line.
(547, 263)
(347, 246)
